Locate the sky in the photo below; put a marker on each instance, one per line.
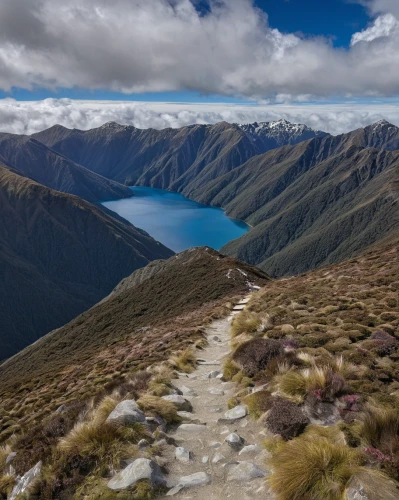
(155, 63)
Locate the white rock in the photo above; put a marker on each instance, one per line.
(188, 392)
(180, 403)
(244, 471)
(142, 468)
(182, 455)
(126, 412)
(236, 413)
(251, 449)
(235, 441)
(23, 482)
(205, 460)
(186, 415)
(218, 458)
(214, 374)
(192, 481)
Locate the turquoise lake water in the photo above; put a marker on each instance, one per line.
(176, 221)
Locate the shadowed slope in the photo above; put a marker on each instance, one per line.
(38, 162)
(59, 256)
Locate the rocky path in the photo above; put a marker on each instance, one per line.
(215, 454)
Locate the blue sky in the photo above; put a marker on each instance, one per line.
(336, 20)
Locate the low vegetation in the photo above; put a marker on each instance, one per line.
(324, 368)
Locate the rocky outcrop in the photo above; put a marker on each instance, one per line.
(126, 413)
(140, 469)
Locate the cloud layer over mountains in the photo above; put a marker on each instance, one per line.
(165, 45)
(28, 117)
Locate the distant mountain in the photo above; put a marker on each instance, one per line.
(38, 162)
(380, 135)
(272, 135)
(313, 204)
(310, 202)
(185, 160)
(59, 255)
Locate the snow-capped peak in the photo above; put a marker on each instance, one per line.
(280, 132)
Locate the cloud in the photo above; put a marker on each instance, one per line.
(28, 117)
(384, 26)
(164, 45)
(377, 7)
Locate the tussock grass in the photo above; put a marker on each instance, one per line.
(183, 361)
(247, 322)
(312, 466)
(105, 444)
(159, 406)
(380, 428)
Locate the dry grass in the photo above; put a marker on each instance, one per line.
(158, 406)
(105, 444)
(247, 322)
(312, 466)
(184, 361)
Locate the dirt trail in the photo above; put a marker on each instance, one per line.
(208, 449)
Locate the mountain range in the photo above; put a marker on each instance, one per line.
(312, 198)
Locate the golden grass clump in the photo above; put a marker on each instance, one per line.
(106, 444)
(230, 369)
(295, 384)
(246, 322)
(159, 406)
(312, 466)
(183, 361)
(380, 428)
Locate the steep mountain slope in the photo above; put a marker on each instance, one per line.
(59, 256)
(183, 160)
(139, 319)
(38, 162)
(312, 204)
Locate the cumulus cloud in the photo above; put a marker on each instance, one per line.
(384, 26)
(165, 45)
(29, 117)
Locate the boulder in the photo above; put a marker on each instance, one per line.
(235, 414)
(188, 392)
(244, 471)
(126, 413)
(142, 468)
(26, 480)
(218, 458)
(251, 449)
(191, 481)
(235, 441)
(182, 455)
(214, 374)
(180, 403)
